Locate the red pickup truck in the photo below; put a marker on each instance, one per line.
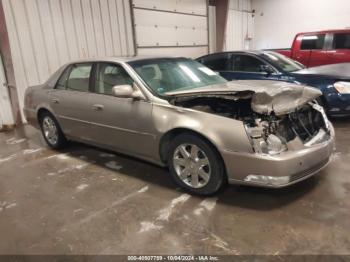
(320, 48)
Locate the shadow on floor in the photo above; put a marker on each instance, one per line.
(234, 195)
(239, 196)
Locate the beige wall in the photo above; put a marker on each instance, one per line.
(45, 34)
(277, 21)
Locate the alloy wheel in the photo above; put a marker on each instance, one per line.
(50, 130)
(192, 165)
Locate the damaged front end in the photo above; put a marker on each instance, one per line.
(276, 118)
(269, 133)
(288, 130)
(304, 127)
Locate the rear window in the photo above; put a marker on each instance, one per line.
(217, 62)
(245, 63)
(341, 41)
(78, 79)
(310, 42)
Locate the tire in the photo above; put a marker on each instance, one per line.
(200, 173)
(54, 137)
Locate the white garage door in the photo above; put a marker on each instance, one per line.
(239, 29)
(171, 27)
(47, 34)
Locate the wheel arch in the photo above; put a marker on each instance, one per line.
(41, 111)
(166, 139)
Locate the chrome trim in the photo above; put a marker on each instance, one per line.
(108, 126)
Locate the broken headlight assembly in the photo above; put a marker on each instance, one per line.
(263, 138)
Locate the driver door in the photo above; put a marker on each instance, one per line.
(123, 124)
(247, 67)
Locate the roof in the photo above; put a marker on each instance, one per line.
(124, 59)
(253, 52)
(327, 31)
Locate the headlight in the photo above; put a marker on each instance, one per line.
(342, 87)
(275, 145)
(271, 144)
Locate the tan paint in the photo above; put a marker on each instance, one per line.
(135, 127)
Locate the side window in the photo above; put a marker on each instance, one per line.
(341, 41)
(310, 42)
(245, 63)
(219, 62)
(110, 75)
(62, 81)
(158, 77)
(79, 77)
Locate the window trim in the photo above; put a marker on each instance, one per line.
(333, 41)
(313, 49)
(70, 68)
(214, 56)
(328, 45)
(95, 72)
(252, 72)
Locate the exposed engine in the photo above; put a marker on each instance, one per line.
(269, 134)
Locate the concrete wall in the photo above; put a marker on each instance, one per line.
(277, 21)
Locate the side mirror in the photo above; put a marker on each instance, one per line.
(267, 69)
(127, 91)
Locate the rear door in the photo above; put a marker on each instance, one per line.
(70, 101)
(340, 48)
(312, 50)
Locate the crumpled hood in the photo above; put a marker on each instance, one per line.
(336, 70)
(267, 96)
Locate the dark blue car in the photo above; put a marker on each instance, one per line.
(332, 80)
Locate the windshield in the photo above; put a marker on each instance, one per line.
(285, 63)
(174, 74)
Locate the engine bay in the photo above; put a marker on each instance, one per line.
(268, 133)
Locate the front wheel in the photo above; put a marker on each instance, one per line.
(52, 132)
(195, 165)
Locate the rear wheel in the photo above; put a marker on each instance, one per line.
(51, 131)
(195, 165)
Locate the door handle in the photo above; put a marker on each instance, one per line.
(97, 107)
(55, 101)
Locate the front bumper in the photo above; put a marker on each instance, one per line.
(280, 170)
(338, 104)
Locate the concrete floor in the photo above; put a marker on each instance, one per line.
(89, 201)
